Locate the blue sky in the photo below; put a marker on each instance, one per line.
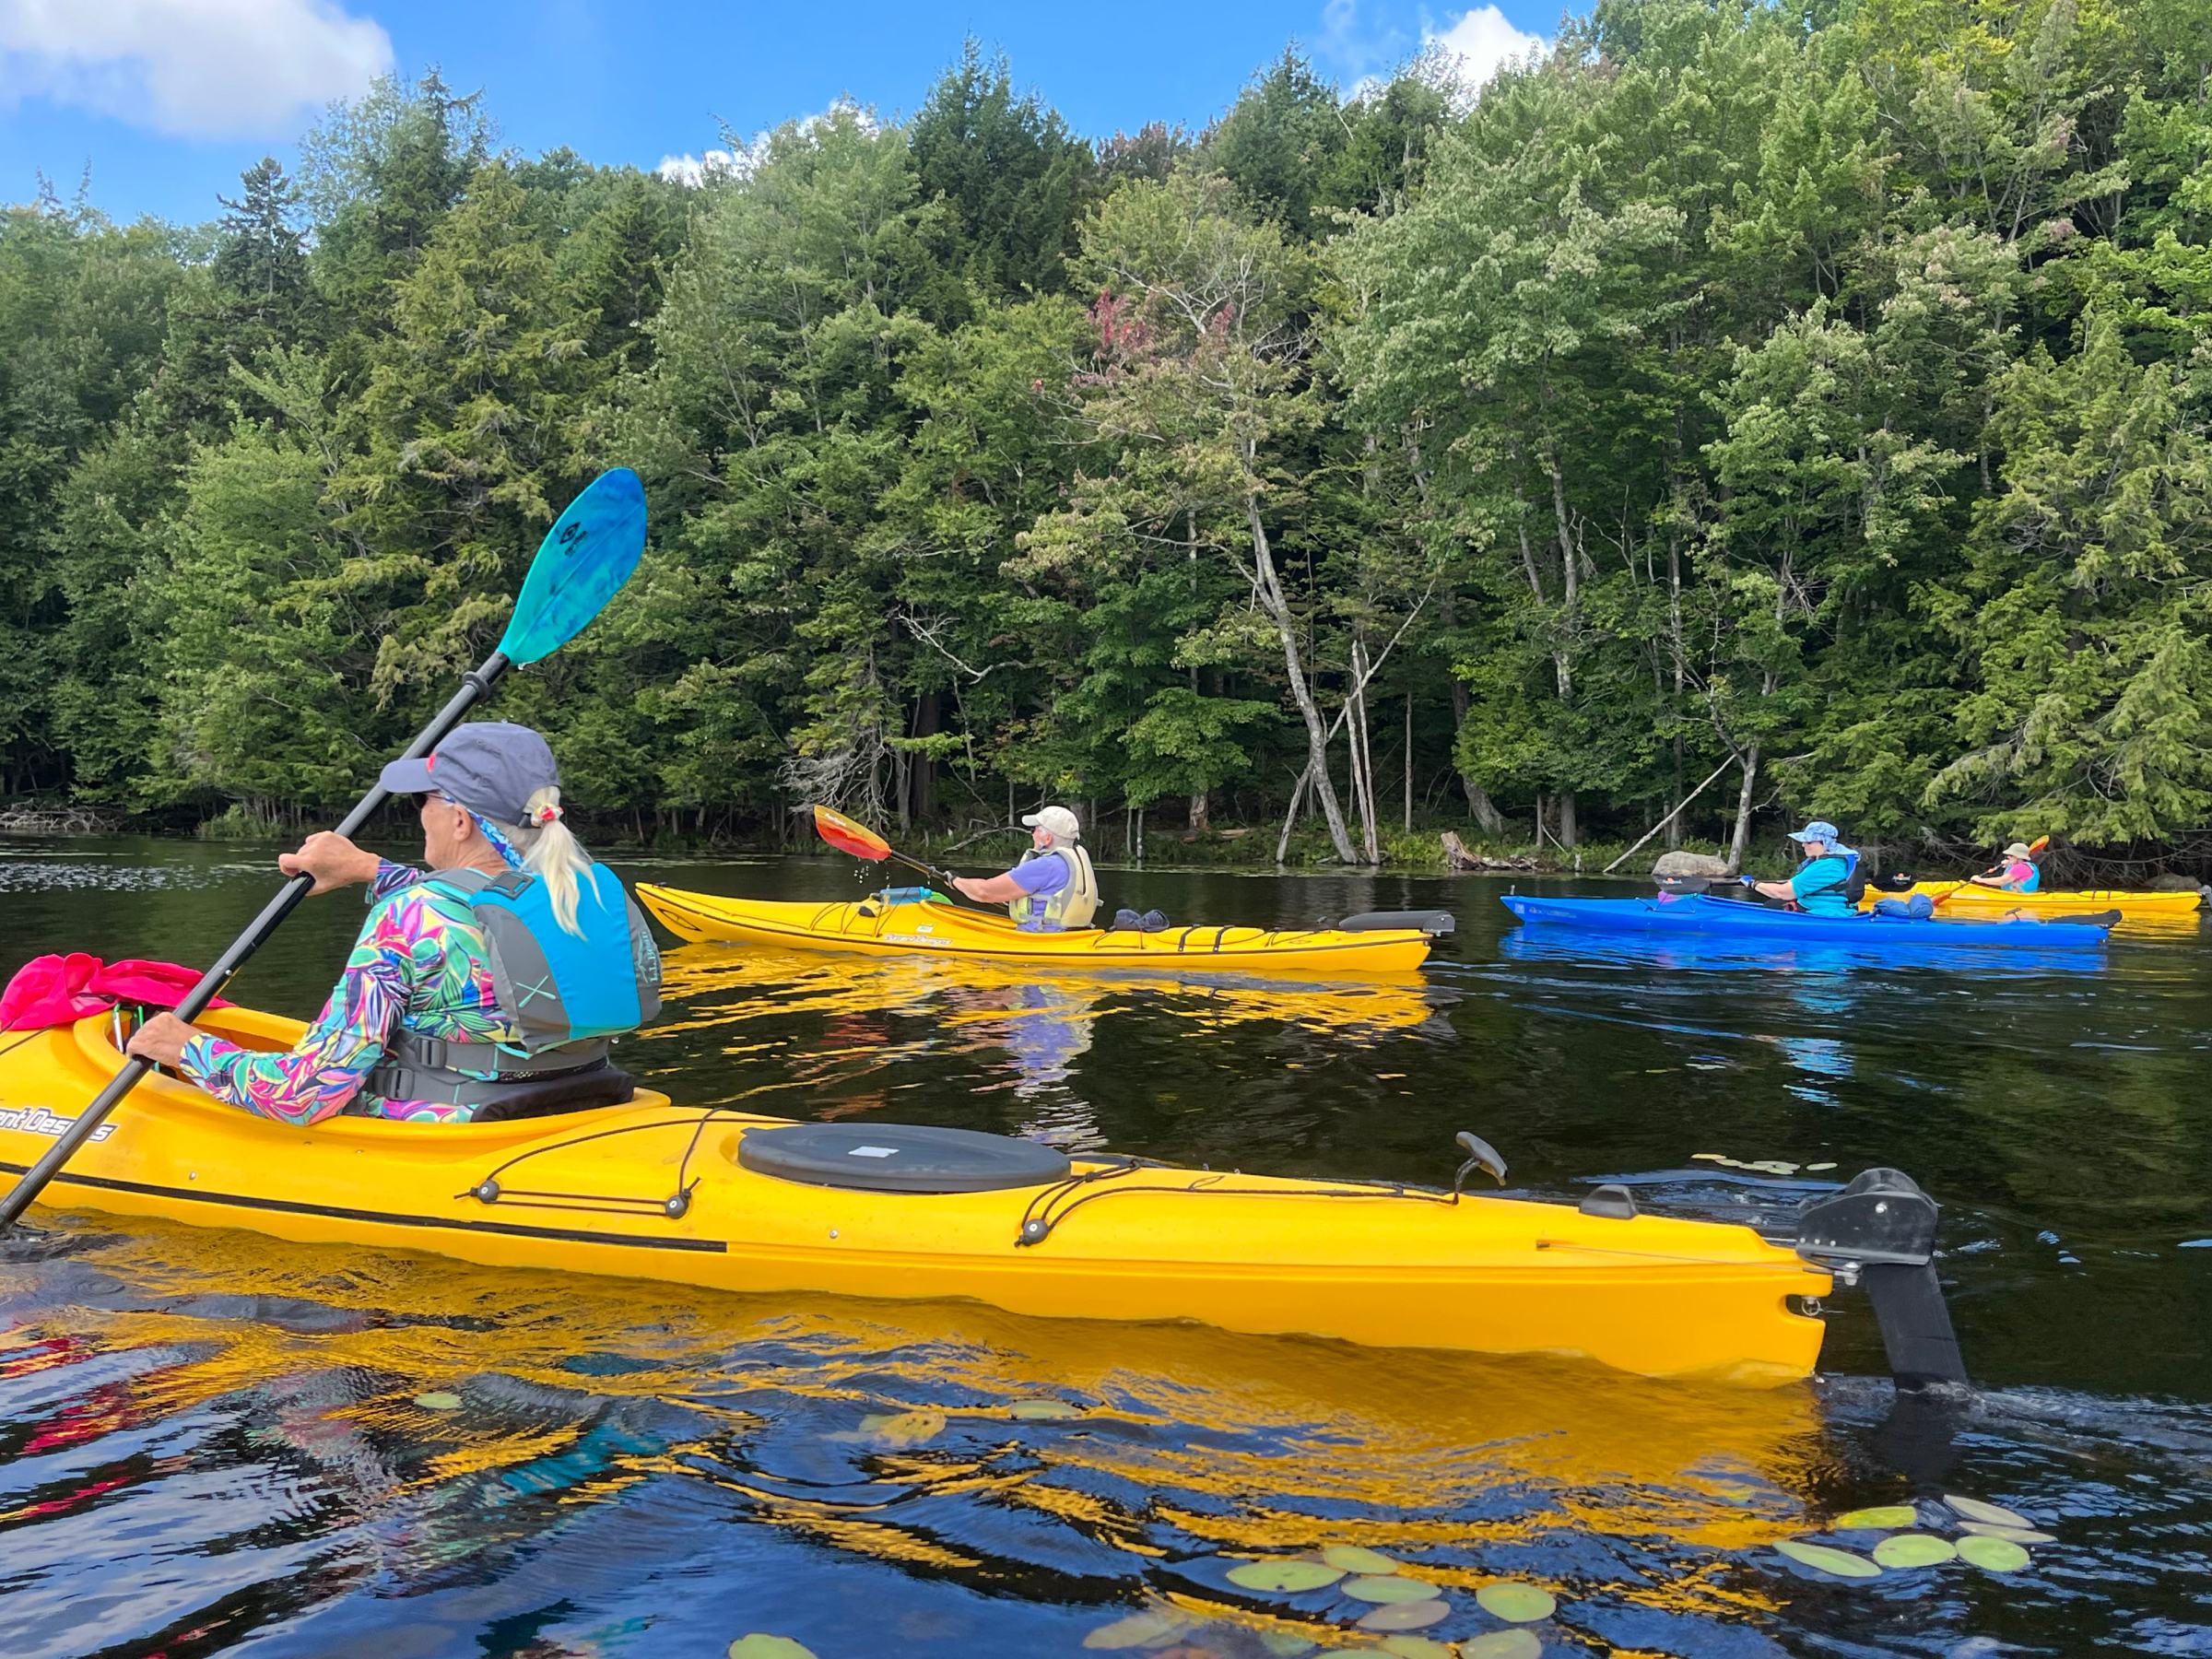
(168, 100)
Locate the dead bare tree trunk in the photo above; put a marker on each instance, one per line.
(1297, 797)
(1278, 606)
(1740, 844)
(1408, 824)
(1363, 757)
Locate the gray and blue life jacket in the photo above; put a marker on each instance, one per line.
(567, 995)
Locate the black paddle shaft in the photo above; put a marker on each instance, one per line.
(473, 689)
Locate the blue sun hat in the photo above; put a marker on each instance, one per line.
(1820, 830)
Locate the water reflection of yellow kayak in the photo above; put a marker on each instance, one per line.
(719, 985)
(580, 1390)
(1990, 902)
(652, 1190)
(871, 927)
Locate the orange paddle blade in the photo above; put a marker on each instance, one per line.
(846, 836)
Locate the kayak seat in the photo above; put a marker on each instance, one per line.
(899, 1158)
(602, 1086)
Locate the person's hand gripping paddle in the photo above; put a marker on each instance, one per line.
(582, 563)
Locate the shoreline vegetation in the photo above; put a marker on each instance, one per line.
(1425, 849)
(1735, 414)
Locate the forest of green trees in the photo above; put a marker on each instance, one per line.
(1810, 401)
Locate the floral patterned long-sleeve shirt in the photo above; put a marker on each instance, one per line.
(421, 964)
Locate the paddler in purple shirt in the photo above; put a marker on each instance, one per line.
(1053, 887)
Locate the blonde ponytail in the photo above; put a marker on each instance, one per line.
(551, 854)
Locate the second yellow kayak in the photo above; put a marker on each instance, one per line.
(874, 927)
(1955, 899)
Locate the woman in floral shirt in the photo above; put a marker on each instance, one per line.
(421, 963)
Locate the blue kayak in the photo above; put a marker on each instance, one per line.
(1737, 918)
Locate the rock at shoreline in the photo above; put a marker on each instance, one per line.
(1671, 866)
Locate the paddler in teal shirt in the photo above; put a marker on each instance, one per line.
(1821, 887)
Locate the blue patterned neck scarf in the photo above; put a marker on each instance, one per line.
(492, 834)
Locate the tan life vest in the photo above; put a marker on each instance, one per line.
(1072, 905)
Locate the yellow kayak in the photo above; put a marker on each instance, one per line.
(1989, 901)
(733, 1200)
(874, 927)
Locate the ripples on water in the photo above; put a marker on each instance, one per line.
(210, 1440)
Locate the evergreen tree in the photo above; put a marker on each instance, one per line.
(1282, 145)
(1016, 181)
(263, 258)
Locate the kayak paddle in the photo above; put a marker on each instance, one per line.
(863, 843)
(582, 562)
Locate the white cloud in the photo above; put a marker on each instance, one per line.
(1481, 43)
(740, 162)
(1349, 44)
(694, 170)
(191, 68)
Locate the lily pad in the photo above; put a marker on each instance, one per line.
(758, 1646)
(439, 1400)
(903, 1428)
(1882, 1517)
(1841, 1562)
(1288, 1644)
(1991, 1554)
(1996, 1514)
(1353, 1558)
(1516, 1604)
(1286, 1577)
(1416, 1647)
(1392, 1589)
(1042, 1411)
(1140, 1629)
(2018, 1534)
(1502, 1644)
(1405, 1615)
(1912, 1549)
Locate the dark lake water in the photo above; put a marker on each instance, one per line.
(212, 1442)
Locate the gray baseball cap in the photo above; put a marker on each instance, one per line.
(490, 767)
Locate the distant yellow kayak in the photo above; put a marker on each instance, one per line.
(874, 927)
(1983, 901)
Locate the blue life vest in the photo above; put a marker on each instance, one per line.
(555, 987)
(1848, 887)
(566, 995)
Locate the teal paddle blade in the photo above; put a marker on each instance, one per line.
(582, 563)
